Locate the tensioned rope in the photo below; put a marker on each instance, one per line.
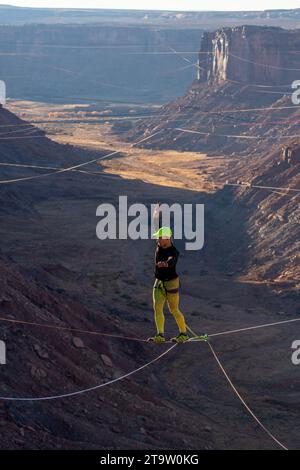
(161, 116)
(277, 67)
(235, 81)
(94, 99)
(142, 367)
(78, 46)
(169, 52)
(237, 57)
(143, 140)
(191, 64)
(191, 131)
(185, 59)
(24, 129)
(247, 407)
(273, 92)
(284, 190)
(244, 403)
(151, 362)
(69, 122)
(64, 170)
(259, 85)
(256, 327)
(74, 167)
(18, 124)
(85, 172)
(73, 330)
(174, 52)
(246, 110)
(90, 389)
(113, 153)
(129, 46)
(129, 338)
(257, 186)
(80, 75)
(40, 167)
(80, 392)
(120, 117)
(98, 120)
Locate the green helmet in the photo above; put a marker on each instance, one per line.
(163, 232)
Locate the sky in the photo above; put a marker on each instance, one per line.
(160, 4)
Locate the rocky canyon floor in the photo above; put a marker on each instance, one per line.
(182, 401)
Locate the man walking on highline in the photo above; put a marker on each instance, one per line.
(166, 286)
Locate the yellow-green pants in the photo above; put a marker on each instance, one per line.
(167, 291)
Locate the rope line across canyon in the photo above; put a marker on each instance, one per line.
(247, 407)
(129, 338)
(237, 393)
(74, 167)
(90, 389)
(124, 376)
(105, 175)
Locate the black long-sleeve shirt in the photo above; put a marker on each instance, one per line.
(170, 255)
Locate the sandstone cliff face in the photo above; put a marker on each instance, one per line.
(250, 55)
(244, 68)
(115, 62)
(238, 108)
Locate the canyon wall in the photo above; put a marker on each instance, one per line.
(245, 68)
(238, 109)
(102, 62)
(126, 55)
(251, 55)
